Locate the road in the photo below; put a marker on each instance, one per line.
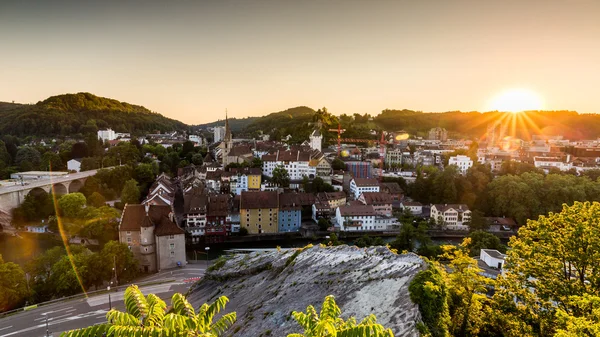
(80, 313)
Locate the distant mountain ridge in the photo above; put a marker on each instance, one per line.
(72, 114)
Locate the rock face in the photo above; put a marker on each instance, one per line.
(264, 288)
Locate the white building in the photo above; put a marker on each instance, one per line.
(316, 140)
(197, 140)
(74, 165)
(492, 258)
(546, 163)
(451, 216)
(356, 218)
(107, 134)
(218, 133)
(463, 163)
(360, 185)
(413, 206)
(296, 163)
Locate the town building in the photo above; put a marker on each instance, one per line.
(74, 165)
(245, 179)
(381, 202)
(414, 207)
(491, 262)
(395, 191)
(362, 185)
(295, 162)
(197, 140)
(216, 218)
(152, 236)
(258, 212)
(463, 162)
(316, 139)
(218, 133)
(451, 216)
(393, 157)
(290, 212)
(358, 218)
(195, 211)
(438, 134)
(359, 169)
(106, 135)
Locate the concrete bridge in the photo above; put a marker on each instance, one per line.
(12, 196)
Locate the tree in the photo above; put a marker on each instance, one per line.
(130, 193)
(28, 158)
(197, 159)
(338, 164)
(281, 176)
(478, 222)
(553, 265)
(483, 240)
(148, 316)
(323, 224)
(329, 323)
(52, 162)
(429, 290)
(5, 158)
(96, 200)
(13, 285)
(467, 290)
(118, 255)
(71, 204)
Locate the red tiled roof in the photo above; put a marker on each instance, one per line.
(377, 198)
(444, 207)
(366, 182)
(358, 210)
(134, 215)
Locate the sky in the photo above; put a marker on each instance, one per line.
(191, 59)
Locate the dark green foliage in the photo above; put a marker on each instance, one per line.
(484, 240)
(281, 177)
(69, 115)
(316, 185)
(367, 241)
(338, 164)
(130, 193)
(429, 290)
(28, 158)
(218, 264)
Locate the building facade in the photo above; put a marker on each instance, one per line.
(463, 162)
(361, 185)
(451, 216)
(290, 213)
(259, 212)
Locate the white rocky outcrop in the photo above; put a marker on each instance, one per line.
(264, 288)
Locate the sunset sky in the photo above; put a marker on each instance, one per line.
(192, 59)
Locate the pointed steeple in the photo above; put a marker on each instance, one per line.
(227, 129)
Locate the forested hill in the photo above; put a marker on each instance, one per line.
(297, 122)
(236, 124)
(81, 113)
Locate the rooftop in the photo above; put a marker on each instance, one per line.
(261, 199)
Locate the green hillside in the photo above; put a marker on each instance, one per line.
(236, 124)
(81, 113)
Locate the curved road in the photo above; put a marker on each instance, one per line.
(80, 313)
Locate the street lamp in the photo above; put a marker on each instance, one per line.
(207, 249)
(109, 301)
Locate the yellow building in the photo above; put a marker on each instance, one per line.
(258, 212)
(254, 178)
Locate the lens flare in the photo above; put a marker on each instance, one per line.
(63, 234)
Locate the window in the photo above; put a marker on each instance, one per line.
(171, 237)
(128, 240)
(171, 246)
(128, 233)
(146, 249)
(172, 253)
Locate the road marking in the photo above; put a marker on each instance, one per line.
(53, 311)
(61, 316)
(71, 310)
(6, 327)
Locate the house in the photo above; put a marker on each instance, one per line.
(393, 157)
(414, 207)
(233, 216)
(381, 202)
(491, 262)
(333, 199)
(356, 218)
(37, 228)
(464, 163)
(394, 190)
(451, 216)
(218, 133)
(195, 207)
(74, 165)
(245, 179)
(438, 134)
(258, 211)
(107, 135)
(152, 236)
(498, 224)
(361, 185)
(295, 162)
(216, 218)
(290, 212)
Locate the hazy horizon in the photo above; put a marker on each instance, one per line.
(191, 60)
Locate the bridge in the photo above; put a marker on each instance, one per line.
(12, 196)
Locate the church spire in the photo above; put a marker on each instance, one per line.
(227, 129)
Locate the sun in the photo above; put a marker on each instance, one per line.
(516, 100)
